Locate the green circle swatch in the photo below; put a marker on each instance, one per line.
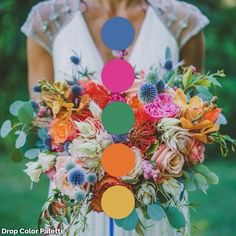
(118, 118)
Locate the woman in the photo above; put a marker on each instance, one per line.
(57, 28)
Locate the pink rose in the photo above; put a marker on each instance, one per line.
(196, 152)
(169, 162)
(162, 107)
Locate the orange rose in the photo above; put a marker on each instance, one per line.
(62, 130)
(101, 187)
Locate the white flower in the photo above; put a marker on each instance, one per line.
(47, 161)
(137, 170)
(167, 123)
(33, 170)
(173, 187)
(146, 193)
(104, 139)
(86, 129)
(83, 148)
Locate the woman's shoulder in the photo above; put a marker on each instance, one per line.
(47, 18)
(182, 19)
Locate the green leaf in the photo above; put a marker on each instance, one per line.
(21, 139)
(32, 153)
(212, 178)
(203, 92)
(26, 113)
(129, 223)
(175, 217)
(155, 212)
(201, 182)
(6, 128)
(15, 106)
(187, 78)
(202, 169)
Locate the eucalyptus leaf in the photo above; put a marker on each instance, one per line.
(129, 223)
(201, 182)
(15, 106)
(175, 217)
(202, 169)
(6, 128)
(32, 153)
(221, 120)
(155, 212)
(21, 140)
(26, 113)
(212, 178)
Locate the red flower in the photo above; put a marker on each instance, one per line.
(97, 93)
(101, 187)
(142, 135)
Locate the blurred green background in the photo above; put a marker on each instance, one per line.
(20, 207)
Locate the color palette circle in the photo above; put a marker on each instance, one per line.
(118, 202)
(118, 160)
(118, 118)
(118, 33)
(117, 75)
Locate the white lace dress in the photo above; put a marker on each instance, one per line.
(60, 28)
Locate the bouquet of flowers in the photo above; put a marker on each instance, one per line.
(63, 135)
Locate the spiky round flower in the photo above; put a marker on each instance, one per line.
(168, 65)
(37, 89)
(75, 60)
(47, 142)
(92, 178)
(35, 106)
(119, 138)
(147, 93)
(69, 165)
(76, 90)
(160, 86)
(152, 77)
(76, 176)
(80, 196)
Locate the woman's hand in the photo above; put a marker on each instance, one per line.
(39, 65)
(193, 52)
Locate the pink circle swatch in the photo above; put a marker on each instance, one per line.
(118, 75)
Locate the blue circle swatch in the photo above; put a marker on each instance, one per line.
(118, 33)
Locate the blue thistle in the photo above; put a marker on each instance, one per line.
(92, 178)
(66, 146)
(35, 106)
(119, 138)
(160, 86)
(75, 60)
(147, 93)
(47, 142)
(80, 196)
(168, 65)
(76, 176)
(76, 90)
(69, 165)
(37, 89)
(152, 77)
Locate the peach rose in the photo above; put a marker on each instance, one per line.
(196, 152)
(60, 178)
(169, 162)
(62, 130)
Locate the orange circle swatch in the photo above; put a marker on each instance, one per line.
(118, 160)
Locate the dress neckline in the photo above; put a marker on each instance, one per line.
(135, 45)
